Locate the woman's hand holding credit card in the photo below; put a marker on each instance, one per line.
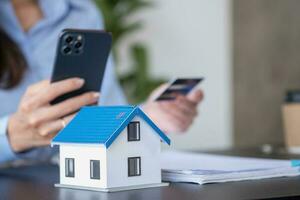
(174, 106)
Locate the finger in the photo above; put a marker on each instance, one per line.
(158, 91)
(74, 104)
(57, 89)
(69, 118)
(173, 124)
(42, 141)
(39, 140)
(51, 127)
(178, 126)
(195, 96)
(63, 109)
(55, 126)
(35, 88)
(27, 103)
(187, 106)
(171, 107)
(163, 118)
(179, 117)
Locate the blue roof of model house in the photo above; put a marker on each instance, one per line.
(102, 125)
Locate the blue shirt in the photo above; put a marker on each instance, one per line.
(38, 46)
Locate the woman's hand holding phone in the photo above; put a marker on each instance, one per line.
(36, 122)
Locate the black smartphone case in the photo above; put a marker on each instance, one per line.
(86, 60)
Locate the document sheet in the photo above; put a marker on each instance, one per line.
(208, 168)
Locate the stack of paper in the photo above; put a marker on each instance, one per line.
(208, 168)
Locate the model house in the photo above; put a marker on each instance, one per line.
(110, 149)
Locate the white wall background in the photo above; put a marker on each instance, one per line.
(192, 38)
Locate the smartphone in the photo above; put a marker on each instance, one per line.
(179, 86)
(82, 54)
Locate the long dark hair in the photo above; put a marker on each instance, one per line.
(12, 62)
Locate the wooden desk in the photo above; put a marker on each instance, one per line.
(36, 182)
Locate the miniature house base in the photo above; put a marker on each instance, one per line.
(116, 189)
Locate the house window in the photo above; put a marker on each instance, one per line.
(134, 166)
(69, 167)
(95, 169)
(133, 131)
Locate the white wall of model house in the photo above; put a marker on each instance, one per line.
(114, 160)
(192, 38)
(148, 148)
(82, 154)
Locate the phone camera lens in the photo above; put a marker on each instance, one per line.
(67, 50)
(69, 39)
(78, 45)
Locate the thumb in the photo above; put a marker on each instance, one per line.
(196, 96)
(155, 93)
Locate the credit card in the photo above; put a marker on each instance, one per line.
(180, 86)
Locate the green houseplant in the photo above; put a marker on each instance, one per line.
(137, 83)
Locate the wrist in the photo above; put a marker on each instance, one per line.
(16, 144)
(9, 131)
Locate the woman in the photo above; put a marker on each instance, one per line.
(28, 35)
